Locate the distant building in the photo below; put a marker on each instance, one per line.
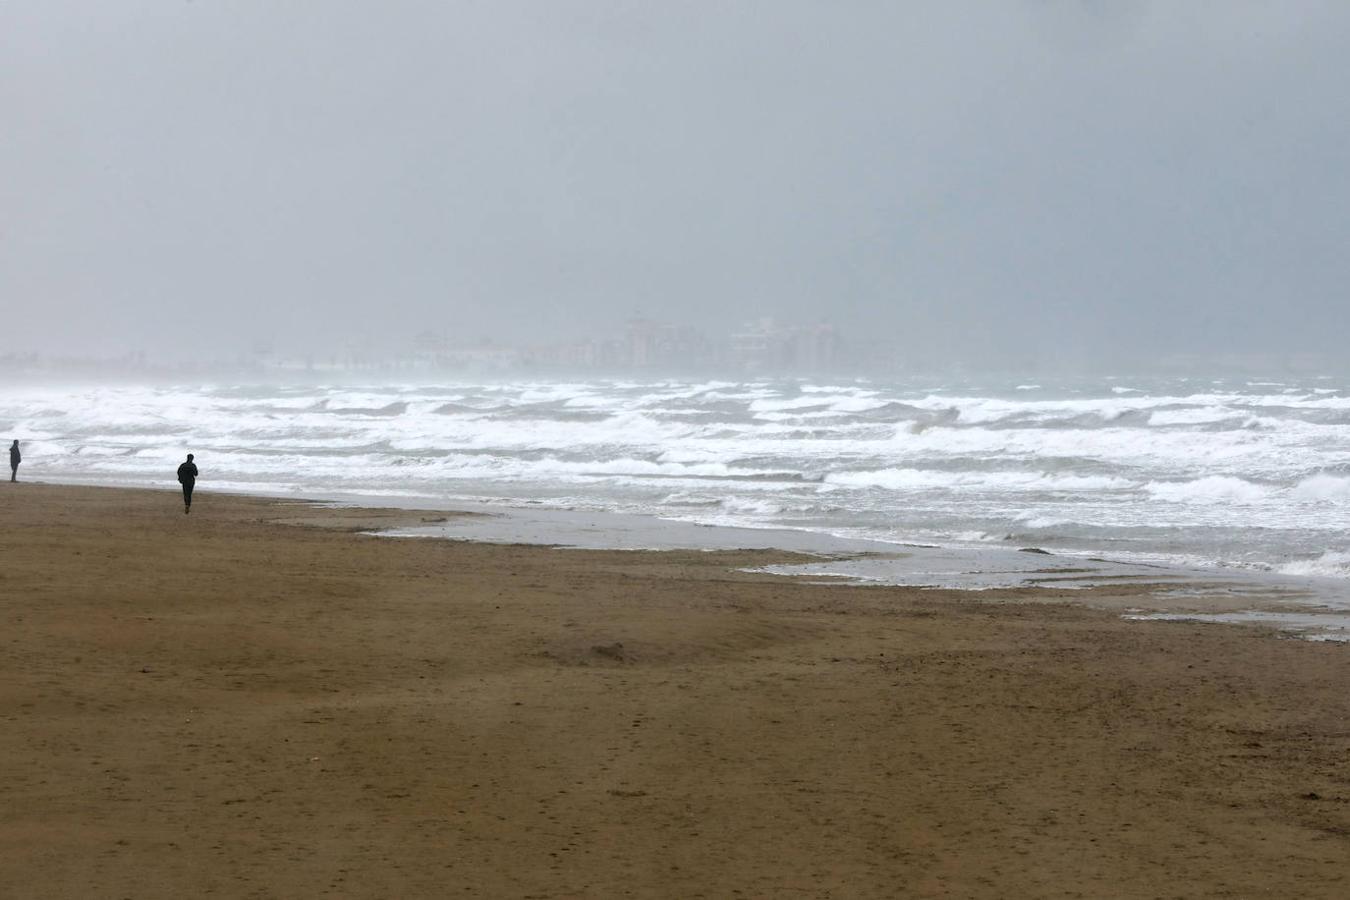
(663, 346)
(753, 347)
(643, 346)
(765, 346)
(815, 348)
(434, 351)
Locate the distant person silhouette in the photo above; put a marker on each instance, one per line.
(187, 477)
(14, 459)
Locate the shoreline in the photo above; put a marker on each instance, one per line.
(1196, 475)
(1303, 606)
(263, 699)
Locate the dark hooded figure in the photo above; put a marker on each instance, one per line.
(14, 459)
(187, 477)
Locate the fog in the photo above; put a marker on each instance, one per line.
(981, 181)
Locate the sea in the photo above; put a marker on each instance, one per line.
(1209, 473)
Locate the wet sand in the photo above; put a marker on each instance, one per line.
(258, 700)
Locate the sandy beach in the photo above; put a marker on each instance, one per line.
(260, 700)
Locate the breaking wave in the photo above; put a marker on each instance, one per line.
(1210, 489)
(1333, 564)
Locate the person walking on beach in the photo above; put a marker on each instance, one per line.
(14, 459)
(187, 477)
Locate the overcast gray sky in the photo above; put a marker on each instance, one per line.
(191, 177)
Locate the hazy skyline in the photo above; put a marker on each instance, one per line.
(1068, 178)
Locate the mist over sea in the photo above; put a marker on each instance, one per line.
(1201, 472)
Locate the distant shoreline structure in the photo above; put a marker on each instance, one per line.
(649, 348)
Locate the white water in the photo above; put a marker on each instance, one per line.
(1230, 473)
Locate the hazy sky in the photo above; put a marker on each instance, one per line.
(995, 177)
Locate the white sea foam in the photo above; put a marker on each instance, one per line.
(905, 479)
(1199, 415)
(1332, 564)
(1037, 521)
(792, 403)
(1210, 489)
(690, 498)
(755, 507)
(1322, 487)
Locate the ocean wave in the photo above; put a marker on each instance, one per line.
(753, 507)
(1322, 487)
(689, 498)
(397, 408)
(970, 537)
(1332, 564)
(629, 466)
(1210, 489)
(1038, 522)
(919, 479)
(794, 405)
(456, 409)
(896, 411)
(1193, 415)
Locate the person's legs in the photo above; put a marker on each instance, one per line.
(187, 497)
(13, 472)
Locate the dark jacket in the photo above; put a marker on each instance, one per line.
(187, 473)
(14, 457)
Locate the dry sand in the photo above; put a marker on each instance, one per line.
(238, 704)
